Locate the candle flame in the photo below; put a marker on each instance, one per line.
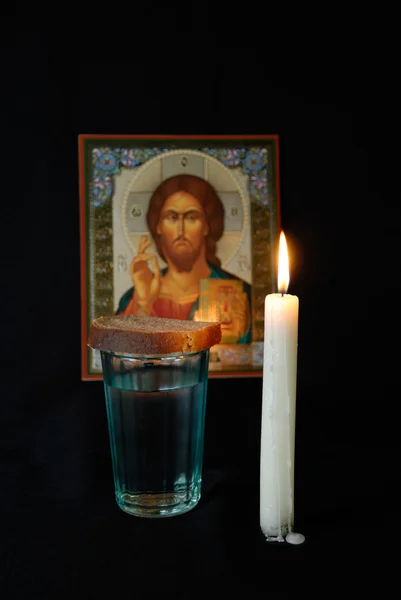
(283, 278)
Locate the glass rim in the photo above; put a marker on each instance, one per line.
(156, 356)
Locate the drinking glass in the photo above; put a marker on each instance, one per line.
(156, 419)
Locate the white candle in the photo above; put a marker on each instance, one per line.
(278, 407)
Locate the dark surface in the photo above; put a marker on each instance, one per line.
(61, 532)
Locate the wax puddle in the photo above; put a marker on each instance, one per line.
(295, 538)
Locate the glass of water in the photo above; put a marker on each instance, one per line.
(156, 419)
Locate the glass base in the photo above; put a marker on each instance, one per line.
(158, 505)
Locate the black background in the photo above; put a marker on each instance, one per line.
(329, 91)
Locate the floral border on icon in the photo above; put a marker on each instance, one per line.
(109, 161)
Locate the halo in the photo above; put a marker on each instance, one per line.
(141, 170)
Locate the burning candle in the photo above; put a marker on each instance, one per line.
(278, 409)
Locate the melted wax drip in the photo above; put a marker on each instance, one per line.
(292, 538)
(295, 538)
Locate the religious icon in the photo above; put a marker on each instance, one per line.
(184, 228)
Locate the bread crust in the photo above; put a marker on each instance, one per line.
(132, 334)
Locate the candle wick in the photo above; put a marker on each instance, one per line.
(282, 294)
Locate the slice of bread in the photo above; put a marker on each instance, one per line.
(152, 335)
